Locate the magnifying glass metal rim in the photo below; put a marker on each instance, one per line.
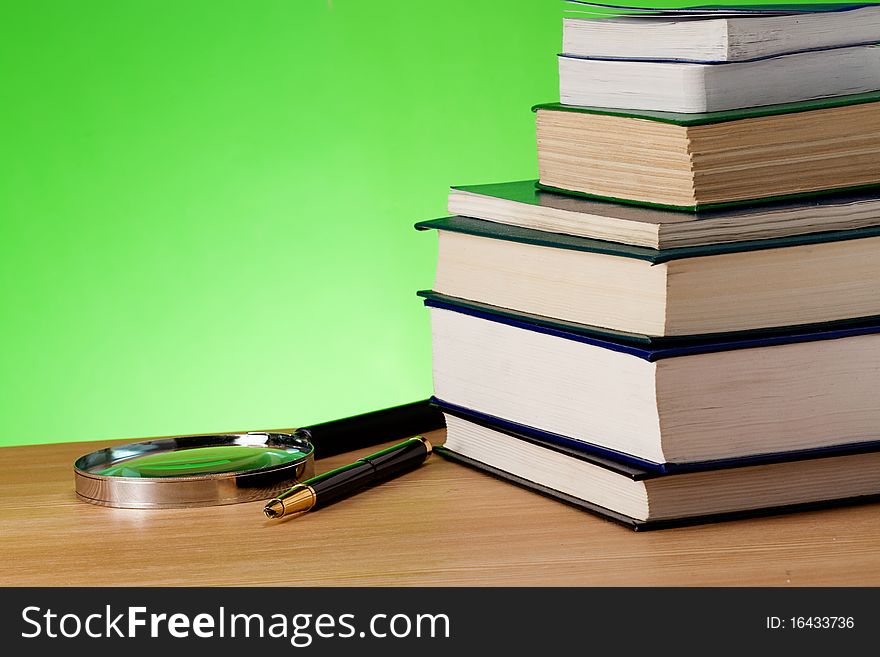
(192, 490)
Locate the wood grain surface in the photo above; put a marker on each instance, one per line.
(442, 524)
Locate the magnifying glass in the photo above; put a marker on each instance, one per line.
(194, 471)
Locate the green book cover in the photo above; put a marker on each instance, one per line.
(713, 207)
(493, 230)
(531, 192)
(706, 118)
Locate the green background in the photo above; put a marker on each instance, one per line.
(206, 206)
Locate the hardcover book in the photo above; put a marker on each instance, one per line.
(710, 289)
(723, 9)
(715, 159)
(642, 499)
(714, 36)
(671, 404)
(711, 87)
(521, 203)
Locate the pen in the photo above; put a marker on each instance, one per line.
(331, 486)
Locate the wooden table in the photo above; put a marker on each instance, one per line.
(443, 524)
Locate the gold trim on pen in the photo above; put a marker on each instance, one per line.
(298, 499)
(427, 444)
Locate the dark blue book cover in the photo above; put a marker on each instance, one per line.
(654, 349)
(632, 466)
(637, 470)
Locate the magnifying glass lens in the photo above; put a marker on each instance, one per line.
(202, 461)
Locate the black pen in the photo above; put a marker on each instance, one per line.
(339, 483)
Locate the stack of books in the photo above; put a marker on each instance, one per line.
(680, 320)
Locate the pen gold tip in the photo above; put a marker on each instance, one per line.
(298, 499)
(274, 509)
(427, 442)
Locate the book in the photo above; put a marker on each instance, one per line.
(606, 10)
(723, 9)
(643, 499)
(690, 87)
(672, 405)
(711, 160)
(565, 443)
(521, 203)
(715, 37)
(680, 292)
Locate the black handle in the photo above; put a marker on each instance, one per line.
(359, 431)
